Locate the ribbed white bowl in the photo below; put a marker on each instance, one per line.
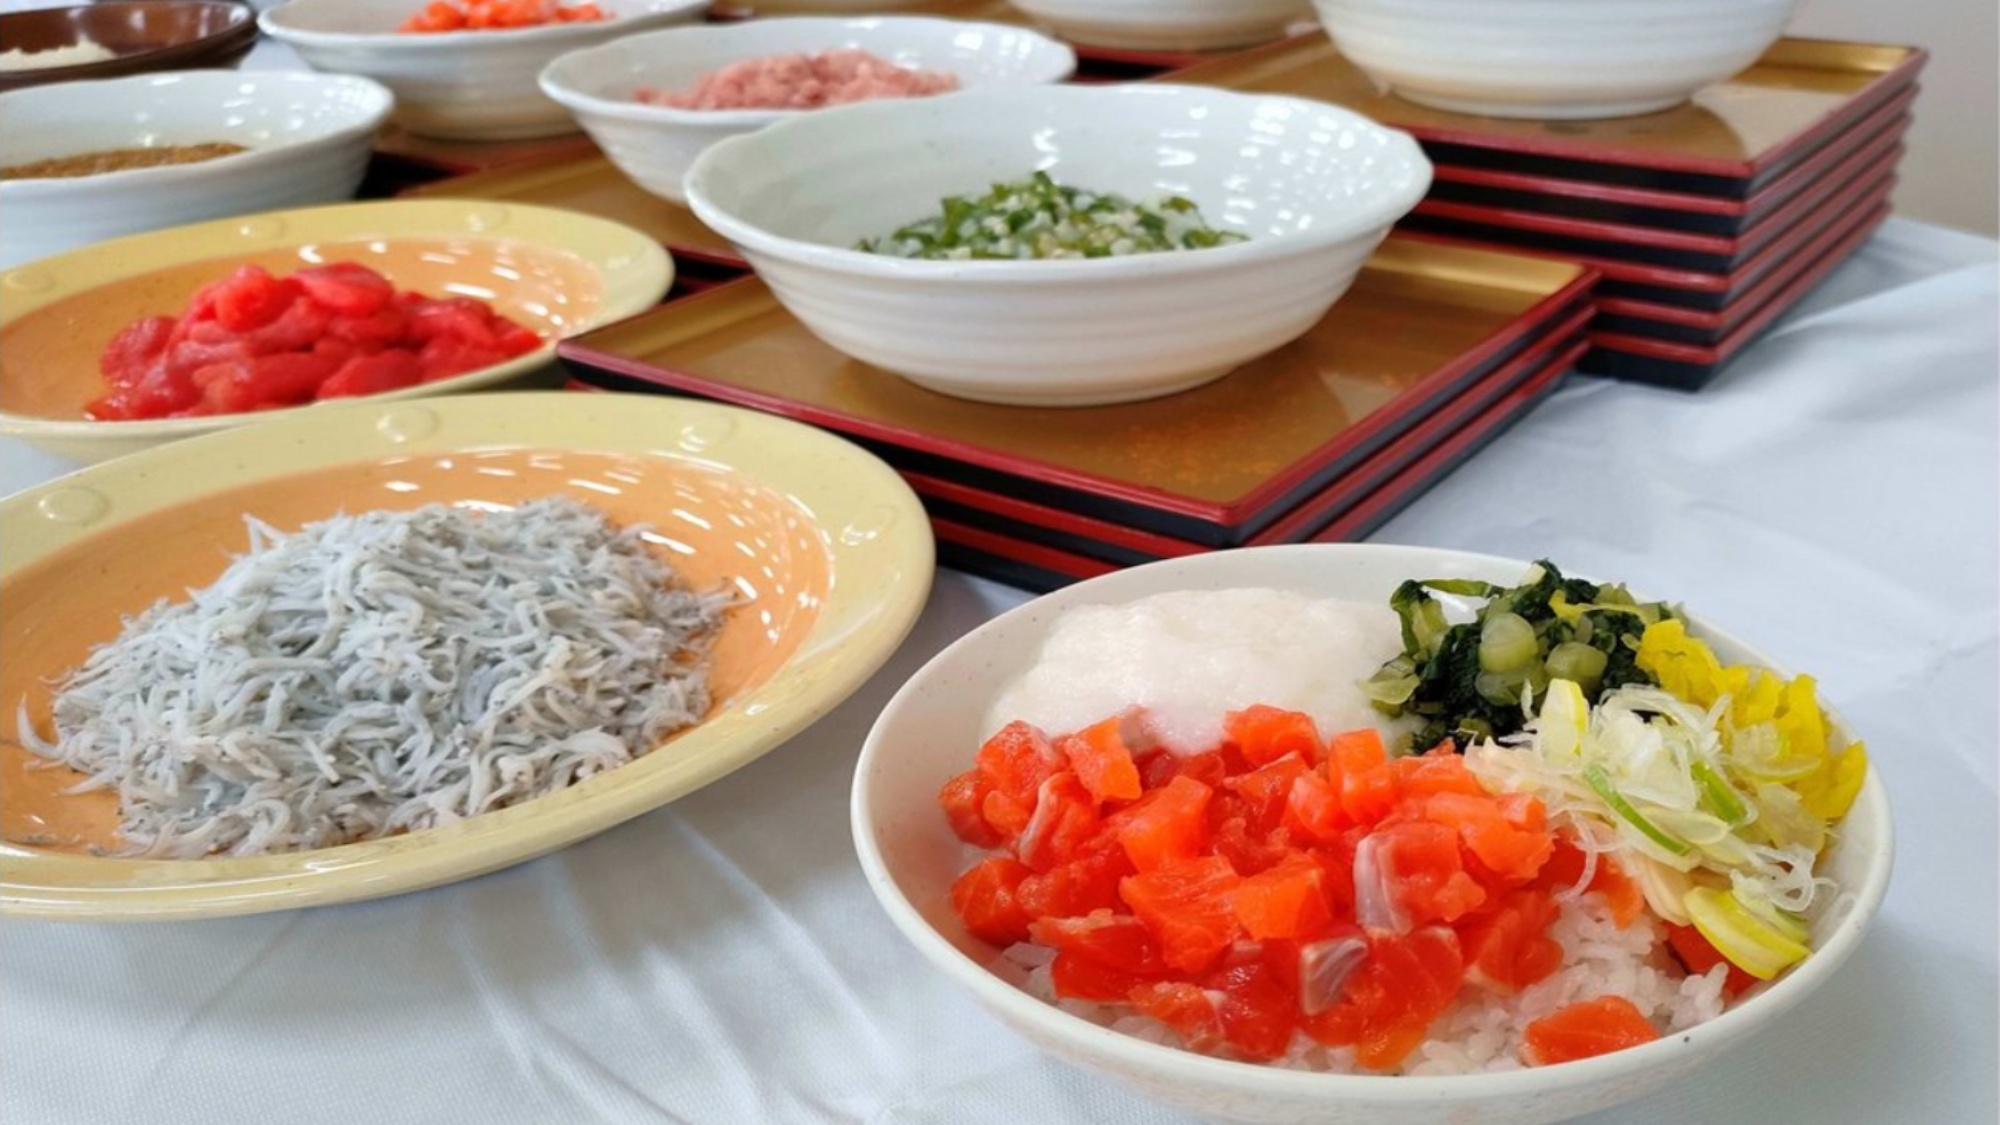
(1313, 186)
(930, 730)
(655, 145)
(1168, 25)
(309, 137)
(1553, 58)
(459, 85)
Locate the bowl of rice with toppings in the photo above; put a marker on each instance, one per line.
(391, 646)
(655, 102)
(1187, 826)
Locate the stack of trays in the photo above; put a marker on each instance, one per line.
(1707, 221)
(1435, 351)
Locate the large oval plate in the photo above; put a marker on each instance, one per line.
(829, 549)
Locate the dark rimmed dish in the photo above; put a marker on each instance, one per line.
(145, 35)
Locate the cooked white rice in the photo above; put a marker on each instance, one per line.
(1483, 1029)
(385, 672)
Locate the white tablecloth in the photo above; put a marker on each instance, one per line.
(721, 961)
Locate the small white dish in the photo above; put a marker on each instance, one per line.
(458, 85)
(1168, 25)
(1559, 59)
(932, 727)
(655, 145)
(308, 136)
(1313, 187)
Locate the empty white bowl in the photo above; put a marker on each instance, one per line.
(1553, 58)
(932, 727)
(655, 145)
(1312, 186)
(1168, 25)
(308, 136)
(458, 85)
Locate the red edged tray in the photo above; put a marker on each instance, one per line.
(1128, 546)
(1731, 140)
(1710, 328)
(1674, 249)
(1040, 567)
(1695, 289)
(1691, 367)
(1671, 210)
(1216, 464)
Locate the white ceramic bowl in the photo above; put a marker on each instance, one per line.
(309, 137)
(1313, 186)
(1168, 25)
(459, 85)
(655, 145)
(1553, 58)
(931, 729)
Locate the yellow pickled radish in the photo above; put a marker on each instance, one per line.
(1565, 719)
(1751, 943)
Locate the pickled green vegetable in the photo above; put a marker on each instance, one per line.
(1472, 678)
(1507, 644)
(1039, 218)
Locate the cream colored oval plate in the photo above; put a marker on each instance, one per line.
(558, 272)
(828, 549)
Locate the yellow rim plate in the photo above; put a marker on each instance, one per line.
(634, 271)
(876, 538)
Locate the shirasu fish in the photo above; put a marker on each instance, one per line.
(382, 673)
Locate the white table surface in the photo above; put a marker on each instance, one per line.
(720, 960)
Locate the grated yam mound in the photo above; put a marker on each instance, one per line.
(382, 673)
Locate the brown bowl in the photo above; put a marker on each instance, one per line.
(145, 35)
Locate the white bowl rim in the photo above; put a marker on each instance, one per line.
(1258, 1079)
(25, 190)
(1088, 271)
(555, 86)
(272, 22)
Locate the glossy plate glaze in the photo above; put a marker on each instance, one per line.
(1732, 137)
(829, 549)
(1215, 463)
(557, 272)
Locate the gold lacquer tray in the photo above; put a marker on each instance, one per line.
(1732, 138)
(592, 184)
(1216, 464)
(458, 158)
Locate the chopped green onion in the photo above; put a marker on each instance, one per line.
(1600, 782)
(1039, 218)
(1717, 795)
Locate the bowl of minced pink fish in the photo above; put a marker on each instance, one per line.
(655, 102)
